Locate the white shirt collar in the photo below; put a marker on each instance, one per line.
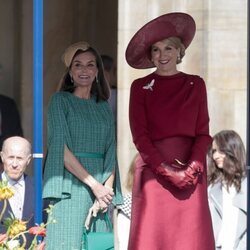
(13, 182)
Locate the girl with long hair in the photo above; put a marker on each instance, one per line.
(227, 190)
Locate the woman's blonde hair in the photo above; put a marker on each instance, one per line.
(130, 175)
(176, 42)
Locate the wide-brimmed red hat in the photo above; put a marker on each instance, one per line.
(174, 24)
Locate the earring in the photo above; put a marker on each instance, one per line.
(96, 79)
(71, 79)
(178, 58)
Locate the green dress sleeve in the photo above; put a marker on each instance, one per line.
(111, 163)
(57, 179)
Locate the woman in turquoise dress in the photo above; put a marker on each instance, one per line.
(81, 166)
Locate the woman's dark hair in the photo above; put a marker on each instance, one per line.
(100, 87)
(108, 62)
(234, 165)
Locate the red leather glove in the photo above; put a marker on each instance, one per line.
(194, 168)
(180, 175)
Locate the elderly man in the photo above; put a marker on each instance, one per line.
(16, 156)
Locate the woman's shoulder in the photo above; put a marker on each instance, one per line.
(140, 82)
(144, 78)
(58, 95)
(195, 78)
(61, 96)
(215, 187)
(103, 103)
(244, 182)
(197, 82)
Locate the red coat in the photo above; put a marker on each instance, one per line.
(168, 120)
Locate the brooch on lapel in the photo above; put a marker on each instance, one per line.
(149, 85)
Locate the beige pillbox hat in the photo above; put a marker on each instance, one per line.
(71, 50)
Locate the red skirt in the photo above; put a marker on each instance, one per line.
(164, 217)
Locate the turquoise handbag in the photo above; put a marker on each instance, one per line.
(93, 240)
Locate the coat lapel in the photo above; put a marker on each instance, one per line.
(29, 200)
(240, 201)
(215, 194)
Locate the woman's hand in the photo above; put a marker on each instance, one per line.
(103, 194)
(176, 175)
(181, 175)
(93, 211)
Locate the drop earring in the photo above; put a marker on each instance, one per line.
(71, 79)
(96, 79)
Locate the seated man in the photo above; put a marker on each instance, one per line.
(16, 155)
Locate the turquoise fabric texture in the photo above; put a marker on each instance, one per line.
(87, 128)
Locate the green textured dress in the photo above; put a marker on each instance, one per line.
(87, 128)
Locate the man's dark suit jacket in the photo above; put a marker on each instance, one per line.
(28, 209)
(10, 119)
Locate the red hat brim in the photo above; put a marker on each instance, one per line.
(175, 24)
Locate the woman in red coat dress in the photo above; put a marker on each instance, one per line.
(169, 124)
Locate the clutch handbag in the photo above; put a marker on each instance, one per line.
(93, 240)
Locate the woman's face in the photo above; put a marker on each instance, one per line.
(217, 155)
(164, 57)
(84, 69)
